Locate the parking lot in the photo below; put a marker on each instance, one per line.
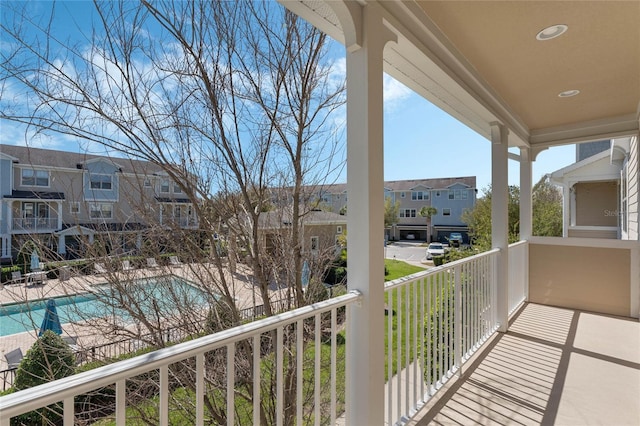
(412, 252)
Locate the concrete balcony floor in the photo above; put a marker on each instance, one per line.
(554, 366)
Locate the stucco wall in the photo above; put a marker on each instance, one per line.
(588, 278)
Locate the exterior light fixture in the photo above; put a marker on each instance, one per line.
(551, 32)
(568, 93)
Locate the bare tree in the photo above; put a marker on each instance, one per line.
(229, 99)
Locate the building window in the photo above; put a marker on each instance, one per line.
(315, 243)
(74, 207)
(339, 229)
(147, 182)
(465, 194)
(101, 211)
(177, 189)
(437, 193)
(101, 182)
(27, 210)
(407, 212)
(402, 195)
(446, 212)
(164, 186)
(33, 177)
(451, 195)
(417, 195)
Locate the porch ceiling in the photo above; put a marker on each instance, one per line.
(480, 61)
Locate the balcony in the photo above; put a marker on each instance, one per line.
(445, 362)
(180, 222)
(34, 224)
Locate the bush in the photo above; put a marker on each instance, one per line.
(49, 358)
(5, 273)
(438, 260)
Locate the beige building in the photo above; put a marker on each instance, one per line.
(450, 196)
(600, 192)
(65, 199)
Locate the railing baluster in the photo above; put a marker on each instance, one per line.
(164, 395)
(440, 329)
(68, 407)
(256, 378)
(121, 404)
(415, 343)
(279, 377)
(317, 361)
(389, 383)
(200, 389)
(399, 351)
(231, 383)
(299, 369)
(334, 362)
(457, 314)
(407, 341)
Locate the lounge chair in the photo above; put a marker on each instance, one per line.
(13, 358)
(16, 277)
(126, 265)
(151, 262)
(70, 340)
(174, 261)
(99, 268)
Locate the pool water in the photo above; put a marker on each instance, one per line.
(159, 294)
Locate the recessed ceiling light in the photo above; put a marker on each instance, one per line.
(568, 93)
(552, 32)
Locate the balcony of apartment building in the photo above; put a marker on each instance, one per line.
(34, 212)
(544, 331)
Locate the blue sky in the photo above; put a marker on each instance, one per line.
(421, 141)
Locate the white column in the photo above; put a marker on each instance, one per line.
(365, 222)
(526, 211)
(62, 247)
(500, 218)
(59, 215)
(526, 186)
(566, 201)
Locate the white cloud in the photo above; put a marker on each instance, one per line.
(395, 93)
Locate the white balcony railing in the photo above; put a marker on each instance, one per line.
(436, 320)
(294, 332)
(181, 222)
(518, 274)
(35, 224)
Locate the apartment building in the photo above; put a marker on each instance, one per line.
(451, 197)
(67, 200)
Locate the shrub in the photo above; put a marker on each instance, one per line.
(49, 358)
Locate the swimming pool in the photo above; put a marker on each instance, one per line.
(160, 294)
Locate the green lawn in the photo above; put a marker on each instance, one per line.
(399, 269)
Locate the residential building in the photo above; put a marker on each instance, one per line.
(600, 192)
(527, 76)
(66, 200)
(451, 197)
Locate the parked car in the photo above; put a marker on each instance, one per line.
(435, 249)
(455, 239)
(410, 237)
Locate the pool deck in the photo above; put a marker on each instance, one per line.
(21, 292)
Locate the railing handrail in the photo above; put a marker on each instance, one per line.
(59, 390)
(518, 243)
(433, 271)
